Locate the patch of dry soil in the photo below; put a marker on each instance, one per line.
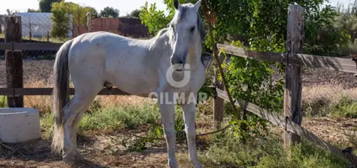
(340, 131)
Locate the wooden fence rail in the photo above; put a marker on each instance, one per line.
(288, 125)
(30, 46)
(311, 61)
(48, 91)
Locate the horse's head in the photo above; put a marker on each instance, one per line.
(187, 34)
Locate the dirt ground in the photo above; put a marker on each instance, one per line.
(99, 151)
(107, 150)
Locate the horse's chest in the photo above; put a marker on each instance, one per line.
(191, 81)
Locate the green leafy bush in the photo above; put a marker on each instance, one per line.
(63, 13)
(60, 19)
(153, 18)
(3, 101)
(323, 35)
(119, 117)
(345, 108)
(156, 134)
(228, 151)
(156, 19)
(303, 156)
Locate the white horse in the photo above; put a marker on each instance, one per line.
(138, 67)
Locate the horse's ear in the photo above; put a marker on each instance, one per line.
(198, 5)
(176, 4)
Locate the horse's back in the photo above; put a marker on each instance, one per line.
(101, 57)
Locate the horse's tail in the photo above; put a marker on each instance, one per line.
(60, 95)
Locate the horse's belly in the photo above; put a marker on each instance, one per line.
(134, 81)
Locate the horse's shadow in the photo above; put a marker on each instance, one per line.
(38, 151)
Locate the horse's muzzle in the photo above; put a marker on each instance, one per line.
(175, 59)
(178, 67)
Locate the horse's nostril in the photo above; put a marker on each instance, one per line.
(177, 61)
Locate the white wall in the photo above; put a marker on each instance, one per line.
(39, 24)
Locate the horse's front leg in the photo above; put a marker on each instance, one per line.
(168, 121)
(190, 129)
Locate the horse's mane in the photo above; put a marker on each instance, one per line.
(161, 32)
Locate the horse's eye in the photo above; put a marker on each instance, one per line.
(192, 29)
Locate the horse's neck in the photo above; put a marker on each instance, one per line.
(160, 46)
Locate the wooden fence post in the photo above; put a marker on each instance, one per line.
(13, 59)
(293, 88)
(218, 103)
(89, 22)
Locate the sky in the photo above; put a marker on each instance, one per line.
(124, 6)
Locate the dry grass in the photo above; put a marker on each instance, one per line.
(112, 101)
(330, 93)
(43, 103)
(36, 73)
(322, 100)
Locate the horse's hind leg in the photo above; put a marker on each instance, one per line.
(72, 115)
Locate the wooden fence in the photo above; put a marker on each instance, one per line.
(14, 71)
(290, 122)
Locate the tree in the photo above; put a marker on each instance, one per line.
(156, 19)
(153, 18)
(60, 19)
(259, 25)
(32, 10)
(92, 12)
(109, 12)
(46, 5)
(61, 14)
(135, 13)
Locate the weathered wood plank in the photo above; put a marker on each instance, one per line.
(311, 61)
(241, 52)
(330, 63)
(4, 46)
(293, 82)
(7, 91)
(218, 103)
(48, 91)
(13, 59)
(31, 46)
(288, 125)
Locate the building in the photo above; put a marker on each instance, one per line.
(37, 24)
(126, 26)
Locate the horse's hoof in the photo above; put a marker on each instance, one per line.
(197, 165)
(172, 164)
